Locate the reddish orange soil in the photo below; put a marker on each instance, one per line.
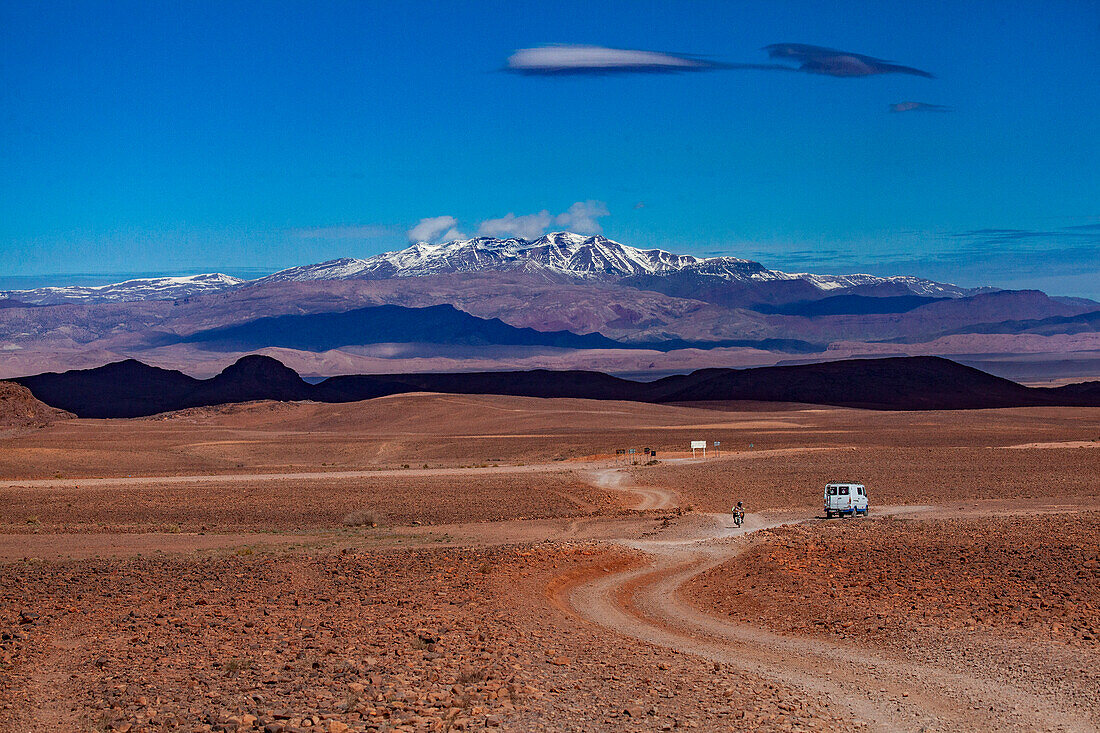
(433, 640)
(19, 409)
(780, 480)
(852, 579)
(455, 430)
(287, 505)
(242, 601)
(1015, 598)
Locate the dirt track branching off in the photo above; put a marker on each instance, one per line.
(547, 594)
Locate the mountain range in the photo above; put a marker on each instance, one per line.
(133, 389)
(562, 301)
(557, 256)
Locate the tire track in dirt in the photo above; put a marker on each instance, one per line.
(646, 603)
(649, 498)
(52, 483)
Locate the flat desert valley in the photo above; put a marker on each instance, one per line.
(444, 562)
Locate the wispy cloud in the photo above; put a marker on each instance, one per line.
(918, 107)
(1061, 260)
(567, 59)
(1080, 233)
(436, 229)
(834, 62)
(816, 260)
(349, 231)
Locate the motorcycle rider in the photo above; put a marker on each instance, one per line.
(739, 511)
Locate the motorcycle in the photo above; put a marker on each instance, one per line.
(738, 517)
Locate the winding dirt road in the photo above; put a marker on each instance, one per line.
(617, 480)
(646, 602)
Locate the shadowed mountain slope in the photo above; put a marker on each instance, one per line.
(1081, 323)
(909, 383)
(122, 389)
(437, 324)
(131, 389)
(848, 305)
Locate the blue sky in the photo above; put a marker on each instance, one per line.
(245, 137)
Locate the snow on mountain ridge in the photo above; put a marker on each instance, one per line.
(147, 288)
(559, 255)
(576, 256)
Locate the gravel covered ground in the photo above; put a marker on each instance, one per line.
(348, 640)
(290, 505)
(1016, 597)
(245, 603)
(893, 475)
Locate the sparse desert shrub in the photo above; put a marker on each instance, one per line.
(235, 665)
(653, 462)
(32, 520)
(171, 528)
(363, 518)
(469, 674)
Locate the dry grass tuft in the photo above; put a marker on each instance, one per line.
(363, 518)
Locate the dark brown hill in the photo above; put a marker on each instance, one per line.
(131, 389)
(907, 383)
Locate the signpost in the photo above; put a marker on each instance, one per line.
(716, 451)
(696, 444)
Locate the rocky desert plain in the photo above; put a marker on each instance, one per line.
(442, 562)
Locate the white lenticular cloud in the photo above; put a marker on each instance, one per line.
(528, 226)
(599, 60)
(579, 59)
(436, 229)
(583, 217)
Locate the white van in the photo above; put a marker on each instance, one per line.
(844, 498)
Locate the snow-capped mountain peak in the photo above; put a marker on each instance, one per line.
(560, 256)
(570, 256)
(148, 288)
